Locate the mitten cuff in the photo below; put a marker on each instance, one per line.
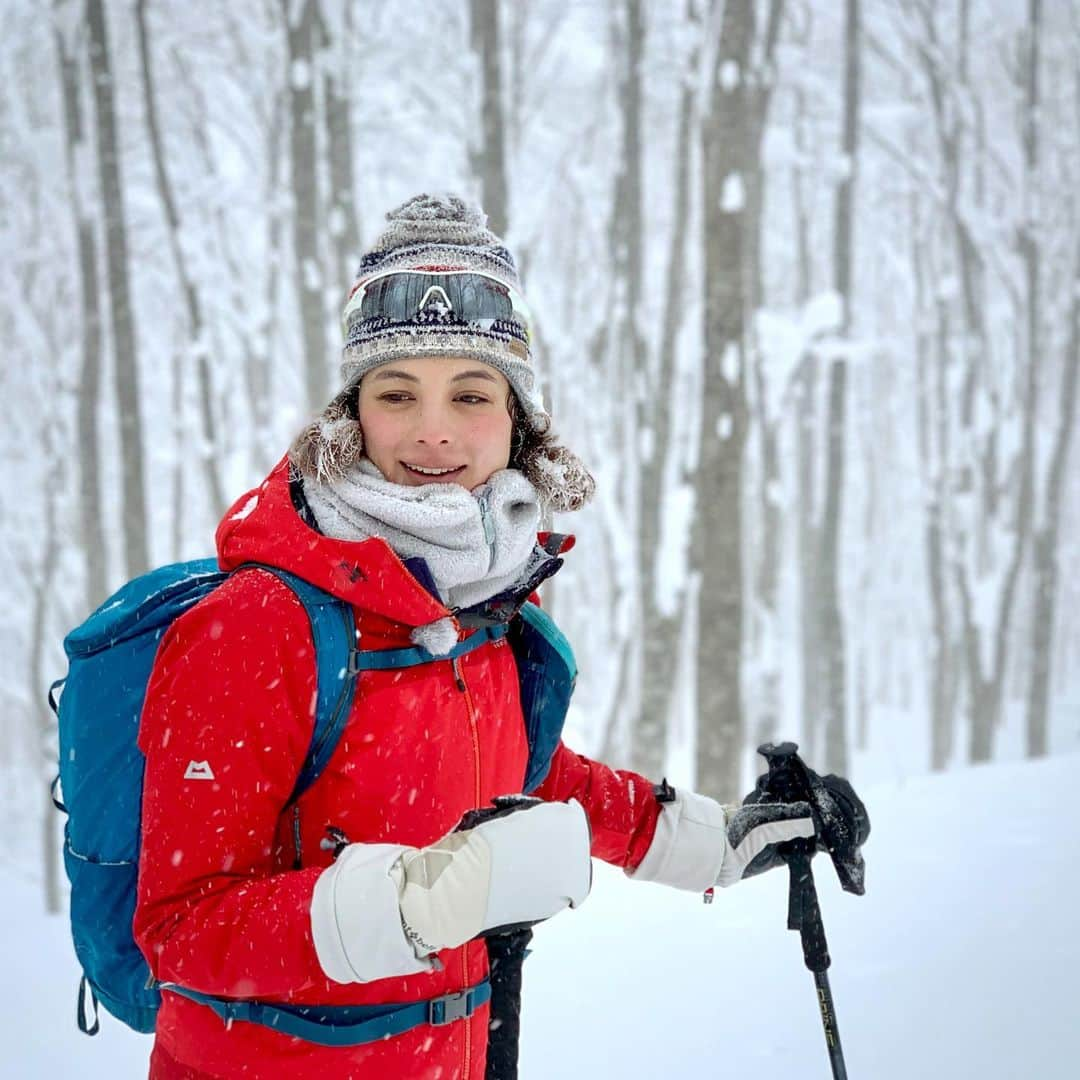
(688, 846)
(356, 917)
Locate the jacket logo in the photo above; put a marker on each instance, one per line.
(354, 572)
(198, 770)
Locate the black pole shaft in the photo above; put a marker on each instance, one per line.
(828, 1020)
(804, 915)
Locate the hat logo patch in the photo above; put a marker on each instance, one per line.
(198, 770)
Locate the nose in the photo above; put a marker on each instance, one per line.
(433, 426)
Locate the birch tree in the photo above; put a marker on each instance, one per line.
(307, 221)
(338, 61)
(620, 347)
(489, 154)
(718, 557)
(198, 345)
(658, 477)
(87, 455)
(136, 541)
(832, 657)
(1048, 534)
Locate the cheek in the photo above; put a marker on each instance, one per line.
(492, 434)
(381, 430)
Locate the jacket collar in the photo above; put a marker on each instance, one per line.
(263, 526)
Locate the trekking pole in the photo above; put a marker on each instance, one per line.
(804, 915)
(843, 826)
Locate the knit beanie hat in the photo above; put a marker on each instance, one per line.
(441, 234)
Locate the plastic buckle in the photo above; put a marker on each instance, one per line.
(450, 1007)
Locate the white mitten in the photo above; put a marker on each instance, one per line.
(699, 843)
(382, 909)
(521, 864)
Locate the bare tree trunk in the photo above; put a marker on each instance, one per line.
(179, 425)
(1046, 539)
(625, 353)
(809, 546)
(43, 591)
(988, 690)
(767, 688)
(661, 644)
(941, 713)
(1046, 547)
(489, 159)
(306, 221)
(932, 360)
(198, 348)
(831, 627)
(343, 224)
(718, 536)
(91, 514)
(261, 359)
(129, 409)
(805, 397)
(832, 694)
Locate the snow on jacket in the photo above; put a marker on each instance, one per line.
(227, 868)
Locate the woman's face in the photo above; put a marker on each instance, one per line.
(447, 414)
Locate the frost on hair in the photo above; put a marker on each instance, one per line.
(559, 477)
(329, 446)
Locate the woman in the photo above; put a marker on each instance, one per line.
(415, 498)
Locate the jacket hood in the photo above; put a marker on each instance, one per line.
(262, 526)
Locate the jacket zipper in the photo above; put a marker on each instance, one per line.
(489, 527)
(461, 685)
(297, 862)
(456, 666)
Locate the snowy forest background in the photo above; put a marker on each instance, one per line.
(806, 277)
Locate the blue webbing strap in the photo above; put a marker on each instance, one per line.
(384, 659)
(346, 1025)
(333, 635)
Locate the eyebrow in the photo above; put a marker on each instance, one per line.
(477, 373)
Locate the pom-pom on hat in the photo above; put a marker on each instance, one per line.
(441, 234)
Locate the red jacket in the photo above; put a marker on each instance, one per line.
(226, 871)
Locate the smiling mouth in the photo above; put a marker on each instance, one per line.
(422, 470)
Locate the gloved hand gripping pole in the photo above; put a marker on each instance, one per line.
(842, 828)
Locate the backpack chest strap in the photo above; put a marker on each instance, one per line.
(392, 659)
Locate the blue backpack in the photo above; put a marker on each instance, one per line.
(110, 657)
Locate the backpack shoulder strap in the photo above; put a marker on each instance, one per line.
(547, 674)
(333, 631)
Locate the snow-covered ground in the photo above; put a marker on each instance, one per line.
(960, 962)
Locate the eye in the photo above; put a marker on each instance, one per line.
(395, 397)
(473, 399)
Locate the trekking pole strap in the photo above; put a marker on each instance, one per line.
(346, 1025)
(804, 913)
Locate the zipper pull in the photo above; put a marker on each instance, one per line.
(489, 525)
(457, 674)
(336, 840)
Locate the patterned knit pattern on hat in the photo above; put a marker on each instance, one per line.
(443, 233)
